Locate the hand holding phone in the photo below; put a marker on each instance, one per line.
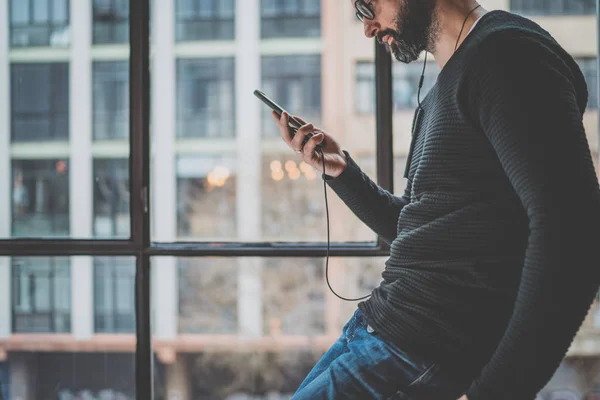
(293, 123)
(317, 148)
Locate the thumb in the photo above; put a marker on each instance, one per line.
(319, 137)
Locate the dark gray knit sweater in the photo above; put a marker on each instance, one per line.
(494, 261)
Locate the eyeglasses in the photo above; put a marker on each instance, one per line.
(364, 10)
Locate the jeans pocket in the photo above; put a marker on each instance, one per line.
(424, 378)
(419, 381)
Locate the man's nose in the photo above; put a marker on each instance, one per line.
(370, 29)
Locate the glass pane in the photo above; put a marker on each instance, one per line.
(114, 296)
(111, 100)
(67, 160)
(50, 315)
(111, 198)
(40, 11)
(40, 102)
(111, 21)
(223, 173)
(19, 12)
(40, 198)
(290, 18)
(39, 23)
(589, 68)
(41, 290)
(60, 11)
(553, 7)
(205, 98)
(204, 20)
(206, 197)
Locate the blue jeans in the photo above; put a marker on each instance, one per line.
(361, 365)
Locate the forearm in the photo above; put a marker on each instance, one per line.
(376, 207)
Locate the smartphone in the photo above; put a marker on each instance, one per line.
(292, 122)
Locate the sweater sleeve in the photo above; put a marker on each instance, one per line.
(528, 101)
(373, 205)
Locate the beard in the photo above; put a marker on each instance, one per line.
(416, 30)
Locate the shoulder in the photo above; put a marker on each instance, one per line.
(508, 41)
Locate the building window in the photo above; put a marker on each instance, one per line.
(40, 102)
(40, 198)
(111, 100)
(205, 98)
(111, 198)
(204, 20)
(114, 297)
(206, 197)
(365, 87)
(589, 68)
(290, 18)
(111, 21)
(553, 7)
(405, 87)
(41, 289)
(39, 23)
(294, 82)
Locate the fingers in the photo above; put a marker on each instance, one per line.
(298, 143)
(284, 129)
(309, 148)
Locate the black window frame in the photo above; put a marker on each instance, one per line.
(48, 25)
(139, 244)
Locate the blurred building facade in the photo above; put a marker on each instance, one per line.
(222, 327)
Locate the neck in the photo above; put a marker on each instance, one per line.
(450, 17)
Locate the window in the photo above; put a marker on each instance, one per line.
(208, 298)
(111, 100)
(206, 197)
(406, 84)
(553, 7)
(111, 21)
(290, 18)
(114, 283)
(40, 102)
(293, 297)
(41, 295)
(205, 20)
(39, 23)
(40, 198)
(589, 67)
(295, 83)
(205, 98)
(111, 198)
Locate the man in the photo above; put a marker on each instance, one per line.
(493, 262)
